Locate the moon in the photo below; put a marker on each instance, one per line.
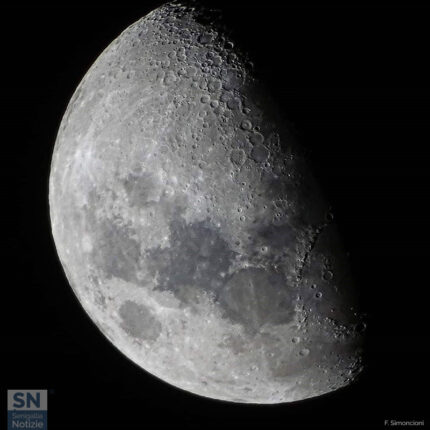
(189, 224)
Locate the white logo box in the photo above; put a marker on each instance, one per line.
(27, 400)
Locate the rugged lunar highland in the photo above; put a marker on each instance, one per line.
(189, 225)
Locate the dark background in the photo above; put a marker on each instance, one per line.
(353, 81)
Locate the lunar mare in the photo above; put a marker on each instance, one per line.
(189, 225)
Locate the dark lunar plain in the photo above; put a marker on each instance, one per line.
(352, 79)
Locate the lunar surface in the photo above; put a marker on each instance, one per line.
(190, 227)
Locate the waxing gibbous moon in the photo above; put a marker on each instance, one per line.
(190, 227)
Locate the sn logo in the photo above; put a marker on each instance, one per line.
(28, 400)
(27, 409)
